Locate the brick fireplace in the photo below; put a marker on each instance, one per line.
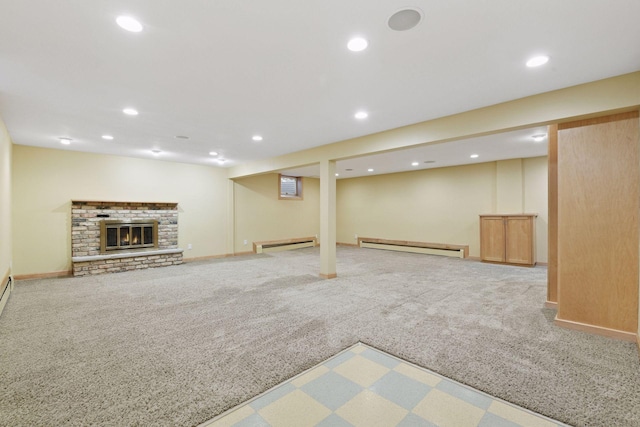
(109, 237)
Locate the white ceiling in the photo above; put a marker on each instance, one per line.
(221, 71)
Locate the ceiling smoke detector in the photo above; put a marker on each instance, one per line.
(404, 20)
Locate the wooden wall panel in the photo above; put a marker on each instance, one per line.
(552, 268)
(598, 207)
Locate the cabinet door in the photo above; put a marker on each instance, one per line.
(492, 239)
(519, 240)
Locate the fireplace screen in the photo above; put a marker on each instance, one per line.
(128, 235)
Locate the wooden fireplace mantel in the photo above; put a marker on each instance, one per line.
(134, 204)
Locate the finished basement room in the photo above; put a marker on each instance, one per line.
(321, 214)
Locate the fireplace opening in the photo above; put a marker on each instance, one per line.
(128, 235)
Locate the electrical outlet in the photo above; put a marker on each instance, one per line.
(245, 241)
(189, 246)
(316, 236)
(355, 236)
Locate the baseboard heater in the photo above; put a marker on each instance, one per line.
(284, 244)
(457, 251)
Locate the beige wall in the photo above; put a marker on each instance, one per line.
(260, 216)
(509, 186)
(438, 205)
(45, 181)
(5, 202)
(435, 205)
(535, 184)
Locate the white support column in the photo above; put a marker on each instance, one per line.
(328, 219)
(231, 218)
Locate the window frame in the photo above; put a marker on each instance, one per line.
(298, 195)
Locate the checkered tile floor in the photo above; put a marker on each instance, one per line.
(366, 387)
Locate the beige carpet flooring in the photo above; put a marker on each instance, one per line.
(175, 346)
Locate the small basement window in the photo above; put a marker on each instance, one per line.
(290, 187)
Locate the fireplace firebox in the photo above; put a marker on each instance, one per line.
(129, 235)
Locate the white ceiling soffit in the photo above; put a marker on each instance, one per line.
(221, 72)
(502, 146)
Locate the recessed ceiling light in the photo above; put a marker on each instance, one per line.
(213, 153)
(256, 138)
(474, 156)
(539, 137)
(108, 137)
(130, 111)
(404, 20)
(181, 137)
(415, 164)
(129, 23)
(361, 115)
(337, 174)
(155, 151)
(357, 44)
(65, 141)
(537, 61)
(369, 170)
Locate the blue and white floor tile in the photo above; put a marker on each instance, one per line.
(365, 387)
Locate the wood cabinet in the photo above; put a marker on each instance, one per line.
(508, 239)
